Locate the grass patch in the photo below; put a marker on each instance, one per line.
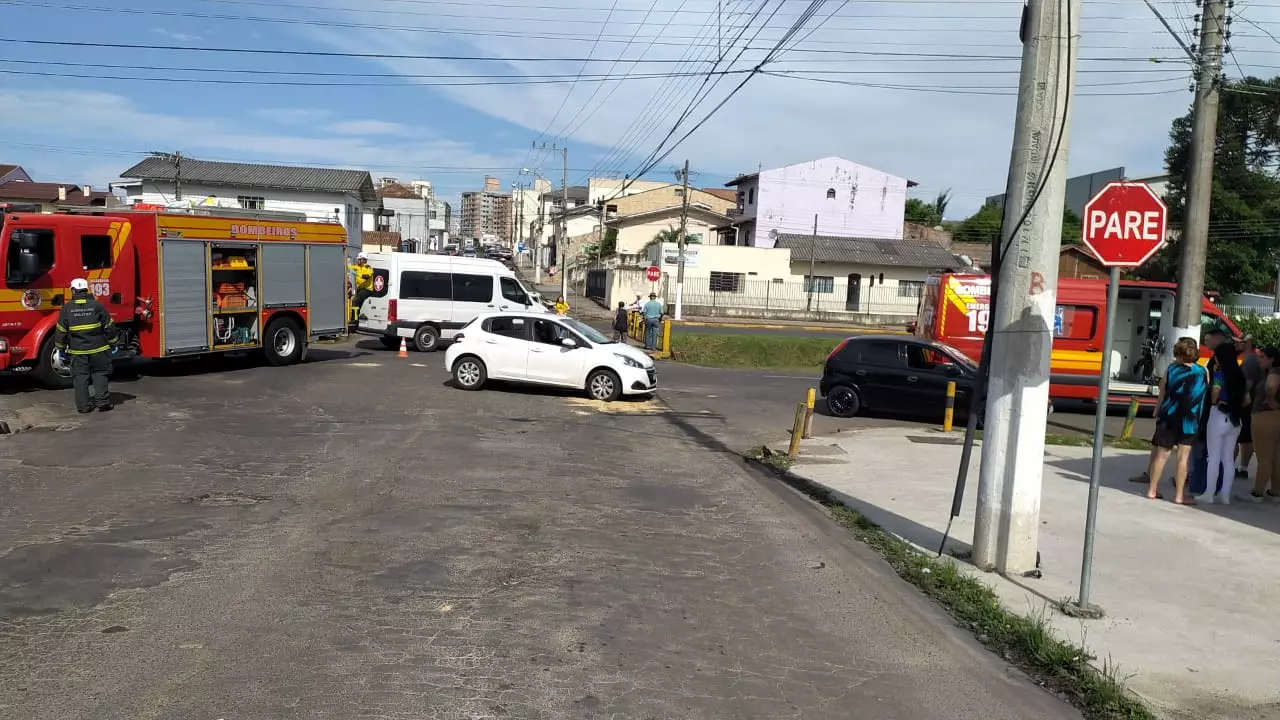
(1087, 441)
(1029, 642)
(777, 461)
(773, 352)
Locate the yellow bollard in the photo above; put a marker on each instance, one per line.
(949, 417)
(797, 429)
(665, 348)
(809, 400)
(1127, 431)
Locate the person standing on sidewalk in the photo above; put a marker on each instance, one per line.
(1228, 397)
(1266, 430)
(620, 323)
(561, 306)
(653, 312)
(1253, 376)
(1182, 395)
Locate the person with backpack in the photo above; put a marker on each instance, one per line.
(1228, 400)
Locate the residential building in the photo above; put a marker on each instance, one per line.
(320, 194)
(1075, 261)
(407, 214)
(602, 189)
(48, 197)
(439, 222)
(486, 212)
(10, 173)
(847, 200)
(641, 218)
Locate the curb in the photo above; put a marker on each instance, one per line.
(806, 328)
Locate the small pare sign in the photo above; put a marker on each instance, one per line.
(1125, 225)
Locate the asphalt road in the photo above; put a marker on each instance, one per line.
(353, 538)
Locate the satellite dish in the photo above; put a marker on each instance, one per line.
(773, 234)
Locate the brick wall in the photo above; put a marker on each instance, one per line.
(667, 197)
(924, 233)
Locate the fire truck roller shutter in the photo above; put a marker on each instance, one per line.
(284, 274)
(327, 289)
(185, 296)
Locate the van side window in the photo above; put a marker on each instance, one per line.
(1075, 322)
(472, 288)
(95, 252)
(512, 291)
(416, 285)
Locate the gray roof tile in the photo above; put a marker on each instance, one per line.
(249, 175)
(868, 251)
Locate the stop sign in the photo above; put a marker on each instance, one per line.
(1125, 224)
(653, 274)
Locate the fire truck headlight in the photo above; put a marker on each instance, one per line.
(4, 345)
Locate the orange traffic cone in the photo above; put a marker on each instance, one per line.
(404, 349)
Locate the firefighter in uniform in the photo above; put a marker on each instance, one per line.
(86, 333)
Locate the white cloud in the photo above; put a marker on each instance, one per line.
(367, 127)
(179, 36)
(942, 127)
(108, 120)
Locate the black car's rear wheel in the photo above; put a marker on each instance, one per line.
(843, 401)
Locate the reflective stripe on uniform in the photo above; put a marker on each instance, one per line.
(86, 326)
(60, 328)
(94, 351)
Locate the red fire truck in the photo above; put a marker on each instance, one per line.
(177, 283)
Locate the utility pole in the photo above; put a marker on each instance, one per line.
(1194, 244)
(537, 242)
(1006, 527)
(680, 241)
(176, 159)
(813, 252)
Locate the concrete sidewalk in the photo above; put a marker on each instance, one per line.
(1187, 591)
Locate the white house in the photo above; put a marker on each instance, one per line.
(321, 194)
(847, 199)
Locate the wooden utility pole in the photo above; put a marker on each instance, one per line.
(680, 241)
(1194, 243)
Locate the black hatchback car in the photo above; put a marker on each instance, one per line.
(896, 374)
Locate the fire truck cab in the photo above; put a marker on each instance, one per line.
(177, 283)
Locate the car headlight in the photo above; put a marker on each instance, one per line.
(629, 361)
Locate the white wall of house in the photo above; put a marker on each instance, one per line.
(345, 208)
(633, 237)
(410, 218)
(849, 200)
(748, 278)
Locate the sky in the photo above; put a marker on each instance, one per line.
(922, 89)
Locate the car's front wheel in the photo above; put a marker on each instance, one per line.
(604, 385)
(843, 401)
(469, 373)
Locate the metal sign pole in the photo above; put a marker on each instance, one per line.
(1082, 607)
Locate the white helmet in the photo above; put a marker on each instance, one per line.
(79, 284)
(361, 256)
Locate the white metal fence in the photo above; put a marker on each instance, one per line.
(734, 291)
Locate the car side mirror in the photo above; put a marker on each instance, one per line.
(951, 369)
(569, 343)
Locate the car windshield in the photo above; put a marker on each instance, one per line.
(956, 355)
(586, 331)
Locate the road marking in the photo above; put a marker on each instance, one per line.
(416, 365)
(793, 377)
(619, 407)
(364, 364)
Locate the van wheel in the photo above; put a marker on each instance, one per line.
(283, 344)
(426, 339)
(50, 373)
(604, 385)
(390, 343)
(469, 373)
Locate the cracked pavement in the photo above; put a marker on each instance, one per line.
(353, 539)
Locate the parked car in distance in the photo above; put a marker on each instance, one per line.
(896, 374)
(540, 349)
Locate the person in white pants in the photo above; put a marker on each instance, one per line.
(1229, 395)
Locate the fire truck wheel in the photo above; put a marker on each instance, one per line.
(48, 371)
(426, 339)
(284, 342)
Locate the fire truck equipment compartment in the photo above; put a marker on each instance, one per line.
(286, 265)
(326, 287)
(186, 297)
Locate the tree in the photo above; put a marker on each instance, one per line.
(941, 202)
(609, 246)
(1244, 214)
(671, 235)
(984, 225)
(921, 212)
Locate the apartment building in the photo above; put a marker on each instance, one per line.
(486, 212)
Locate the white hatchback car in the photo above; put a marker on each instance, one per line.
(541, 349)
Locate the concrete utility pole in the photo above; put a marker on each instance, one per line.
(1194, 244)
(813, 256)
(537, 242)
(1021, 324)
(680, 241)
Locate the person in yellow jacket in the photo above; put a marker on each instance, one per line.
(363, 274)
(562, 307)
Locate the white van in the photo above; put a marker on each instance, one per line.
(427, 298)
